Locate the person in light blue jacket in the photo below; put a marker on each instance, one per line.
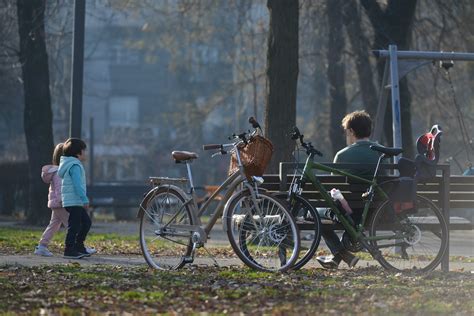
(74, 197)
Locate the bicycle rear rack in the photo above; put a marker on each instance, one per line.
(156, 181)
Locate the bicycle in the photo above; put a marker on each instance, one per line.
(258, 225)
(399, 240)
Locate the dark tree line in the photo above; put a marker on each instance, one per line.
(37, 112)
(353, 29)
(282, 77)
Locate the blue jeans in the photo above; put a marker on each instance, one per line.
(79, 225)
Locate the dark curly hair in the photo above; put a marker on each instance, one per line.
(360, 122)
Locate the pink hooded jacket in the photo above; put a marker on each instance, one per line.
(49, 174)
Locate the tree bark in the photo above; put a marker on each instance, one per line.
(282, 78)
(37, 112)
(336, 74)
(360, 43)
(393, 25)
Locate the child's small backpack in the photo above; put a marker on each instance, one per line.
(428, 154)
(423, 167)
(412, 172)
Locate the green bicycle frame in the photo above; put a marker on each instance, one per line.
(309, 176)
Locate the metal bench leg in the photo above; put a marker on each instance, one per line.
(446, 213)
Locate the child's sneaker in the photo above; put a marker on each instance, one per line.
(83, 251)
(91, 251)
(73, 254)
(41, 250)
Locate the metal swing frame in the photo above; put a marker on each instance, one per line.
(409, 61)
(397, 65)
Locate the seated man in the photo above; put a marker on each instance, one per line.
(358, 127)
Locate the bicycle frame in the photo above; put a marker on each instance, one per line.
(229, 186)
(309, 176)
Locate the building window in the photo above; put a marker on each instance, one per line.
(123, 112)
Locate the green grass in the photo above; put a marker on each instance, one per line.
(23, 241)
(74, 290)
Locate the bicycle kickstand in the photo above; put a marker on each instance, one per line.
(197, 243)
(190, 258)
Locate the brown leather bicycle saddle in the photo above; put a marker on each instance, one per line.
(183, 155)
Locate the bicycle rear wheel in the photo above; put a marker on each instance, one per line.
(309, 226)
(163, 247)
(414, 239)
(263, 234)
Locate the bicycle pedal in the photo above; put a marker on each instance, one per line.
(188, 259)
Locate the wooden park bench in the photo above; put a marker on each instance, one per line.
(117, 196)
(446, 191)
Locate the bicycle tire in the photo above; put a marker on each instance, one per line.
(425, 236)
(262, 241)
(309, 226)
(162, 249)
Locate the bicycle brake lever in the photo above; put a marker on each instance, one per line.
(221, 152)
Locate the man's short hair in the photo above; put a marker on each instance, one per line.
(73, 147)
(360, 122)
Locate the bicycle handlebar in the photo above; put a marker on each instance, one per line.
(295, 135)
(254, 123)
(211, 146)
(241, 138)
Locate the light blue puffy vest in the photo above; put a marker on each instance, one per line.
(69, 196)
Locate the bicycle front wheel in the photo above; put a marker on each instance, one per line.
(309, 226)
(412, 239)
(262, 232)
(165, 247)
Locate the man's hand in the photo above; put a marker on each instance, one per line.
(86, 206)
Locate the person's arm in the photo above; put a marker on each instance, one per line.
(75, 173)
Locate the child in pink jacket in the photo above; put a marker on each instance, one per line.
(59, 215)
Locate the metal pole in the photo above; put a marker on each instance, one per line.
(397, 120)
(382, 106)
(75, 115)
(91, 151)
(425, 55)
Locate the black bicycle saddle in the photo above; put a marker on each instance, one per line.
(389, 151)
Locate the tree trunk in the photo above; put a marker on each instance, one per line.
(282, 77)
(393, 25)
(336, 75)
(360, 43)
(37, 112)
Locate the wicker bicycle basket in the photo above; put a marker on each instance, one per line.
(255, 156)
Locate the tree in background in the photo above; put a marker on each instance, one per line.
(336, 73)
(37, 112)
(392, 24)
(360, 48)
(282, 78)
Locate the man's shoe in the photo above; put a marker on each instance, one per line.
(329, 262)
(73, 254)
(348, 258)
(41, 250)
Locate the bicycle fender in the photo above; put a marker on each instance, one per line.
(229, 202)
(150, 193)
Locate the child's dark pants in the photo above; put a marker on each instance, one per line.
(78, 227)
